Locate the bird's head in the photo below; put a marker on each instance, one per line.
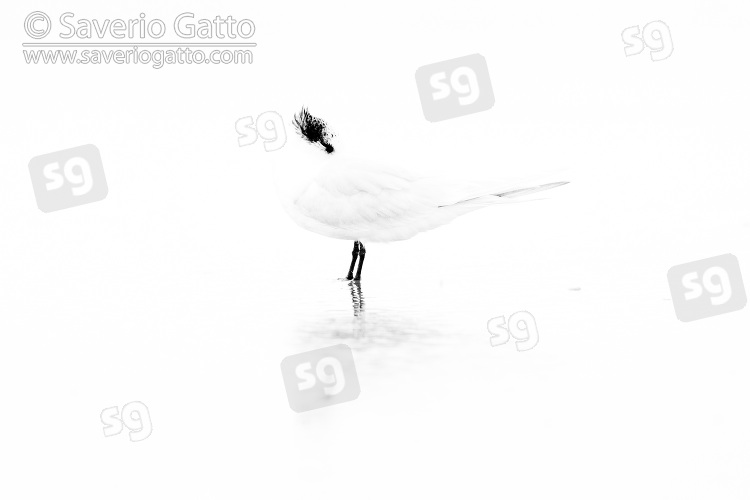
(314, 130)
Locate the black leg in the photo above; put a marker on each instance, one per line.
(355, 252)
(361, 261)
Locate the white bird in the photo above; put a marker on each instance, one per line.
(351, 199)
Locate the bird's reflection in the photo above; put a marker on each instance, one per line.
(358, 304)
(370, 324)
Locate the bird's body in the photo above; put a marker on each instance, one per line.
(352, 199)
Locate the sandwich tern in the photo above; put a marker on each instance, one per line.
(343, 197)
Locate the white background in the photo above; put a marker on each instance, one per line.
(188, 284)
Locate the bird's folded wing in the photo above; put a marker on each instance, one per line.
(355, 195)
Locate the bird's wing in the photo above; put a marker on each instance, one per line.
(507, 195)
(375, 203)
(355, 195)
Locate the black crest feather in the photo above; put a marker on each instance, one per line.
(313, 129)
